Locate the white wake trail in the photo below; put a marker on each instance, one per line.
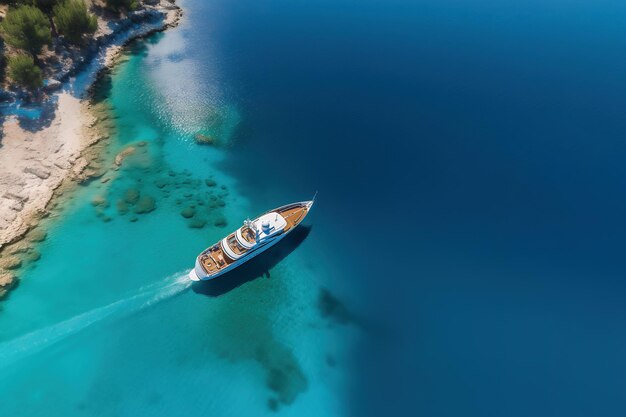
(30, 343)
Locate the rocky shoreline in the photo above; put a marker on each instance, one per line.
(62, 61)
(37, 167)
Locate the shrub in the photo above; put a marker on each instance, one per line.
(118, 5)
(73, 21)
(45, 5)
(27, 28)
(23, 71)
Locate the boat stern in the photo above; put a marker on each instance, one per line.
(192, 275)
(197, 273)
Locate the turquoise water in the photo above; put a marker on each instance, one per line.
(106, 323)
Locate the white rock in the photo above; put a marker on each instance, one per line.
(37, 171)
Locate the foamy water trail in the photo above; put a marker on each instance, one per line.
(38, 340)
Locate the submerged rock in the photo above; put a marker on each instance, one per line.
(160, 182)
(188, 212)
(131, 196)
(204, 139)
(145, 204)
(7, 280)
(197, 223)
(99, 212)
(220, 222)
(10, 262)
(119, 158)
(99, 201)
(32, 256)
(93, 170)
(37, 235)
(272, 404)
(331, 307)
(77, 170)
(122, 207)
(19, 247)
(286, 381)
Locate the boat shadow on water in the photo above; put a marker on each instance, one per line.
(255, 268)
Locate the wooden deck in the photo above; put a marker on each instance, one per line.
(247, 234)
(215, 259)
(293, 216)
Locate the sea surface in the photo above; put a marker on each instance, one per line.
(465, 254)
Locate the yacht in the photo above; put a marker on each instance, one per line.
(251, 239)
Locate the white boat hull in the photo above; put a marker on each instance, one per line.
(198, 274)
(234, 249)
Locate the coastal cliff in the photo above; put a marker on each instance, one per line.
(39, 160)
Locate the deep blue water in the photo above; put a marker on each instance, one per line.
(469, 159)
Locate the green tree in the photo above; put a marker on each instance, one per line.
(72, 20)
(118, 5)
(27, 28)
(23, 71)
(45, 5)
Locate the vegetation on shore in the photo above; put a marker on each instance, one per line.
(73, 21)
(119, 5)
(46, 30)
(23, 71)
(26, 28)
